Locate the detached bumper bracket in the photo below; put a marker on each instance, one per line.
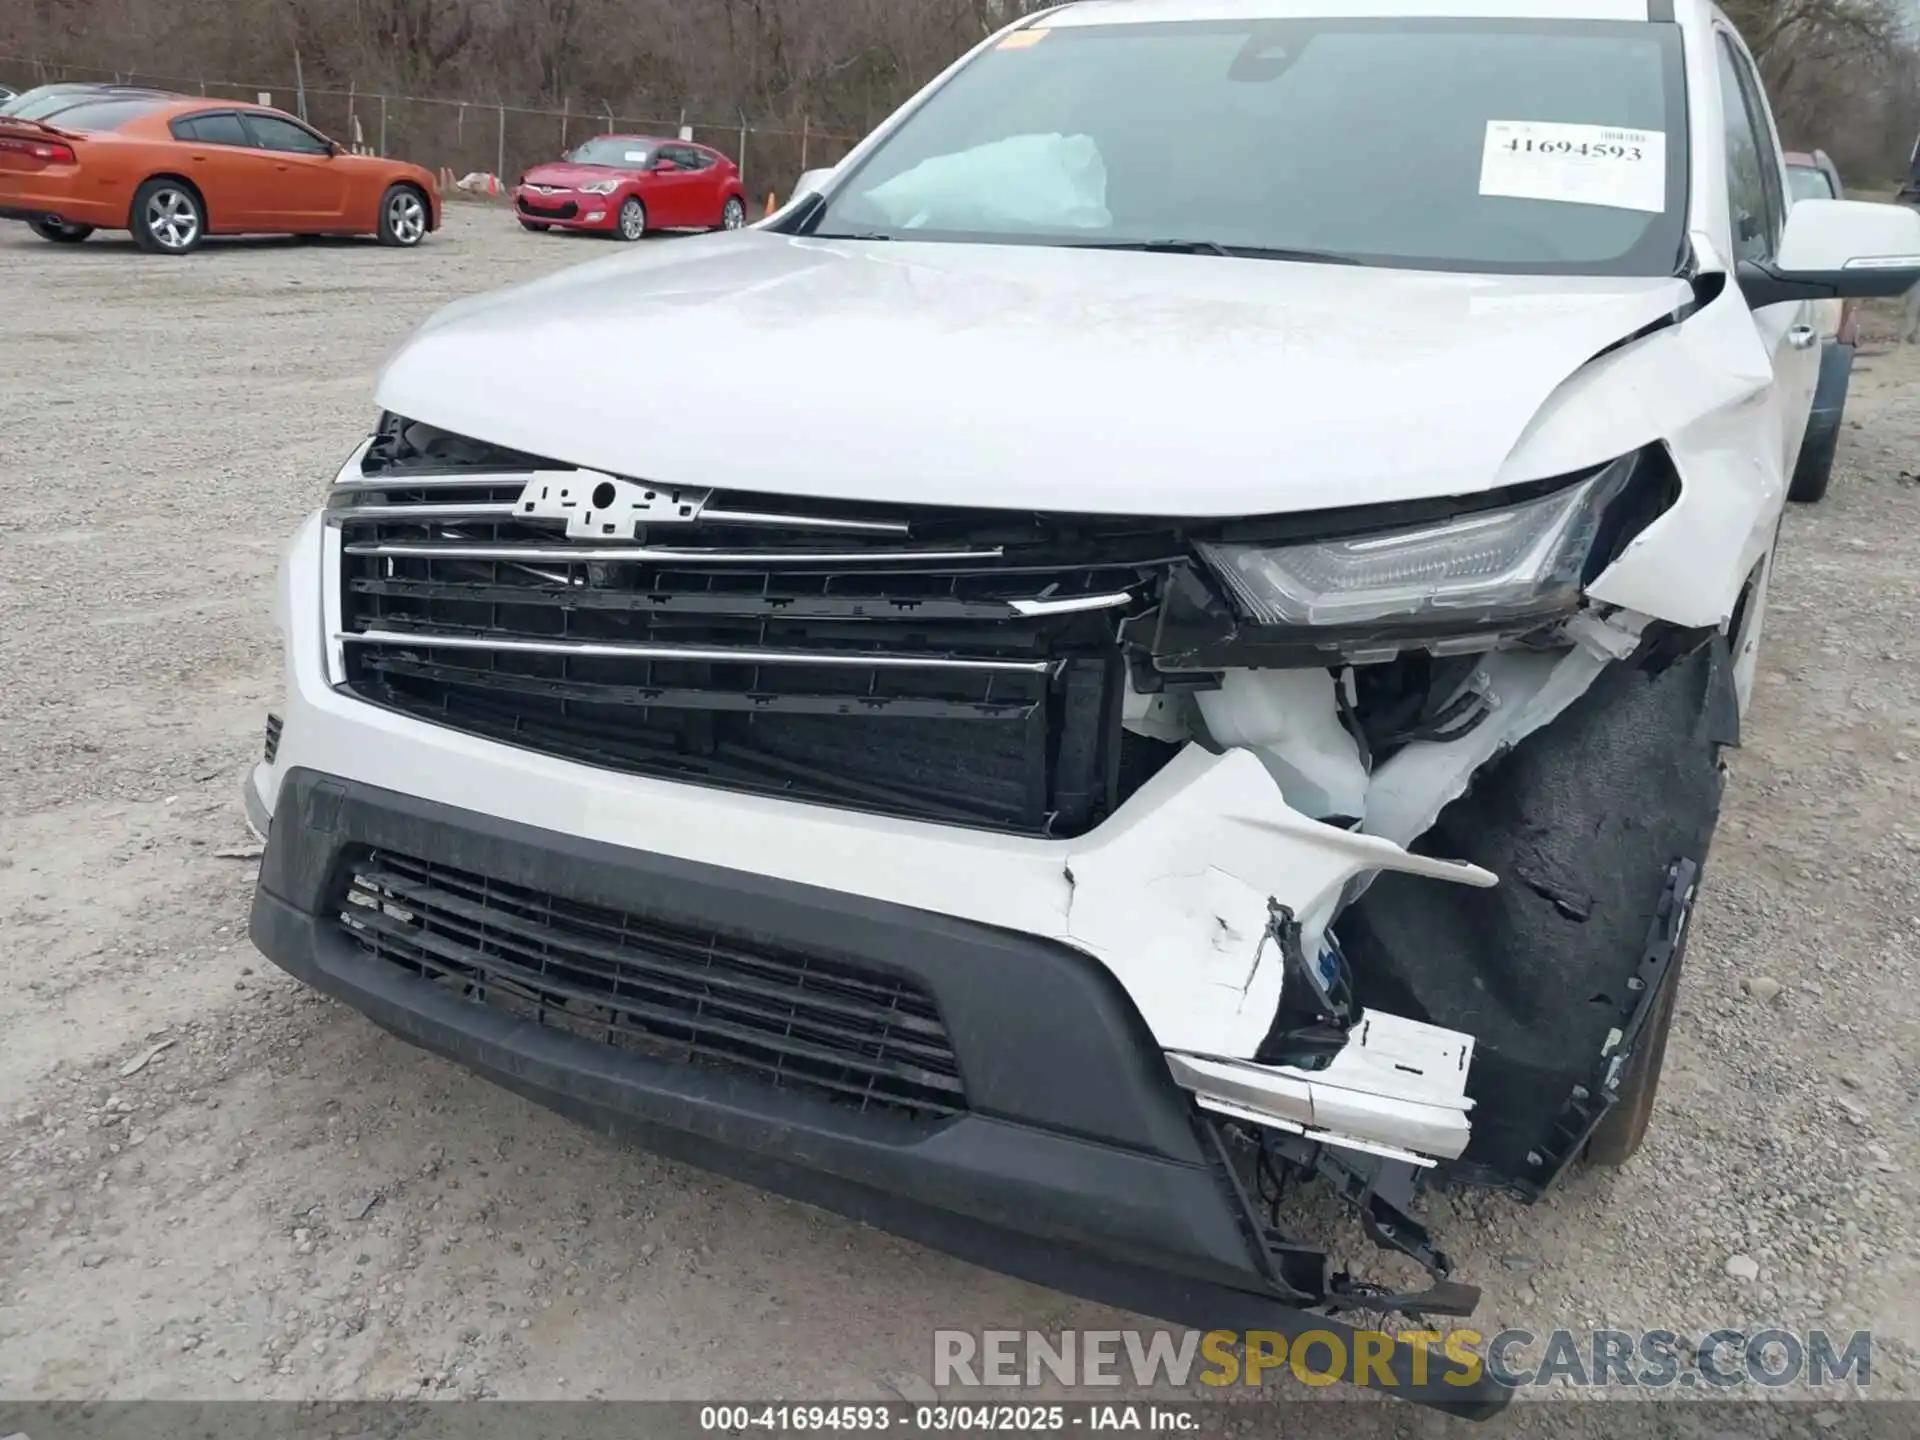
(1382, 1195)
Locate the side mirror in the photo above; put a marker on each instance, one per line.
(1839, 250)
(810, 182)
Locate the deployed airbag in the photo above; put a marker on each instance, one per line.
(1027, 182)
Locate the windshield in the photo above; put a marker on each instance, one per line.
(1809, 183)
(1552, 147)
(614, 151)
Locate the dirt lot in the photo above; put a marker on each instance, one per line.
(285, 1202)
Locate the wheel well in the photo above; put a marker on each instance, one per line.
(206, 219)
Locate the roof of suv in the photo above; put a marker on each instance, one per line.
(1121, 12)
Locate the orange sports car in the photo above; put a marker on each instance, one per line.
(175, 169)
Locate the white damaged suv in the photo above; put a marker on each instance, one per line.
(1168, 625)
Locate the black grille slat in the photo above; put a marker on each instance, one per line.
(790, 1019)
(650, 753)
(925, 688)
(555, 987)
(788, 606)
(749, 982)
(271, 749)
(685, 698)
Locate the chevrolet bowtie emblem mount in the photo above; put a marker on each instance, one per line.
(600, 507)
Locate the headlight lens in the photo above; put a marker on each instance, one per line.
(1493, 564)
(600, 187)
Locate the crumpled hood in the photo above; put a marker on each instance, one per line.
(1016, 376)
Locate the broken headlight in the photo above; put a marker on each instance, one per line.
(1515, 563)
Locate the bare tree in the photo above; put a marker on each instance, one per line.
(1841, 76)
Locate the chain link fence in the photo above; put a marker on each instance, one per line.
(468, 136)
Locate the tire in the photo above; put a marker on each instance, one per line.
(403, 217)
(733, 215)
(59, 232)
(1814, 472)
(535, 226)
(1619, 1135)
(631, 223)
(168, 217)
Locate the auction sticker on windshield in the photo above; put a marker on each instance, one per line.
(1576, 164)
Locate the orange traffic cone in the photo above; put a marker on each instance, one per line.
(771, 206)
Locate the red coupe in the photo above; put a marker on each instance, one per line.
(626, 185)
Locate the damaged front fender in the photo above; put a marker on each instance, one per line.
(1703, 387)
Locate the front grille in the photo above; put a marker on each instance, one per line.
(731, 1002)
(935, 663)
(565, 210)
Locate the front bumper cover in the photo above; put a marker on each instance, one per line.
(1172, 896)
(1080, 1164)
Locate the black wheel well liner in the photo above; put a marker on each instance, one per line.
(1581, 821)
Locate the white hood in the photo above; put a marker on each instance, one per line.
(1016, 376)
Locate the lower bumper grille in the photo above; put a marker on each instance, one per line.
(566, 210)
(784, 1018)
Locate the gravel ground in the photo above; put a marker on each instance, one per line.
(286, 1203)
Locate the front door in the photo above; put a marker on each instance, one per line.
(676, 189)
(1756, 193)
(309, 186)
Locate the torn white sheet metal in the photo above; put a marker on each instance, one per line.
(1291, 719)
(1172, 895)
(1399, 1086)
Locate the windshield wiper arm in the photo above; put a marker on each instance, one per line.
(1214, 247)
(1157, 247)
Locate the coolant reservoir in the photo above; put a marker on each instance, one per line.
(1291, 720)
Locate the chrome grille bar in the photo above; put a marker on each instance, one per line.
(760, 520)
(1069, 604)
(439, 480)
(654, 554)
(691, 654)
(420, 510)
